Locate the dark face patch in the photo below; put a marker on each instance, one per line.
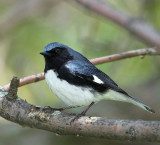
(56, 58)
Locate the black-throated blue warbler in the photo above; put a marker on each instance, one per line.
(77, 82)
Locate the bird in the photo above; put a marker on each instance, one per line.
(77, 82)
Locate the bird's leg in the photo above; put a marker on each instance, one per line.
(85, 111)
(82, 114)
(48, 108)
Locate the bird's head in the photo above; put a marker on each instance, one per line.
(56, 55)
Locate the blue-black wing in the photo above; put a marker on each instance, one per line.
(86, 74)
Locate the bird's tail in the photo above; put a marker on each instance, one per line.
(141, 104)
(117, 96)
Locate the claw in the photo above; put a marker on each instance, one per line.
(77, 117)
(82, 114)
(50, 109)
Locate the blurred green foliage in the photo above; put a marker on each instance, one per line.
(89, 34)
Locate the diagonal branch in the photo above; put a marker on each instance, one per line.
(127, 54)
(135, 26)
(100, 60)
(23, 113)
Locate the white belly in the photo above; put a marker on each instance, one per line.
(70, 94)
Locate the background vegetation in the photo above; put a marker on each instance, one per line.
(27, 26)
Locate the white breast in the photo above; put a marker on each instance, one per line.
(70, 94)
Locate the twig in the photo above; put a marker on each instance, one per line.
(100, 60)
(135, 26)
(27, 80)
(127, 54)
(25, 114)
(12, 93)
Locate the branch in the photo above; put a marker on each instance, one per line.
(135, 26)
(25, 114)
(100, 60)
(127, 54)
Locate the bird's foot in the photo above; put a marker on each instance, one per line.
(82, 114)
(50, 109)
(78, 116)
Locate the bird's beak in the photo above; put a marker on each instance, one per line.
(45, 53)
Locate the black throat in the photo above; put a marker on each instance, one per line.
(55, 63)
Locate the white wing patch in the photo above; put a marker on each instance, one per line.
(97, 80)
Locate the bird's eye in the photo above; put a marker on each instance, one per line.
(57, 50)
